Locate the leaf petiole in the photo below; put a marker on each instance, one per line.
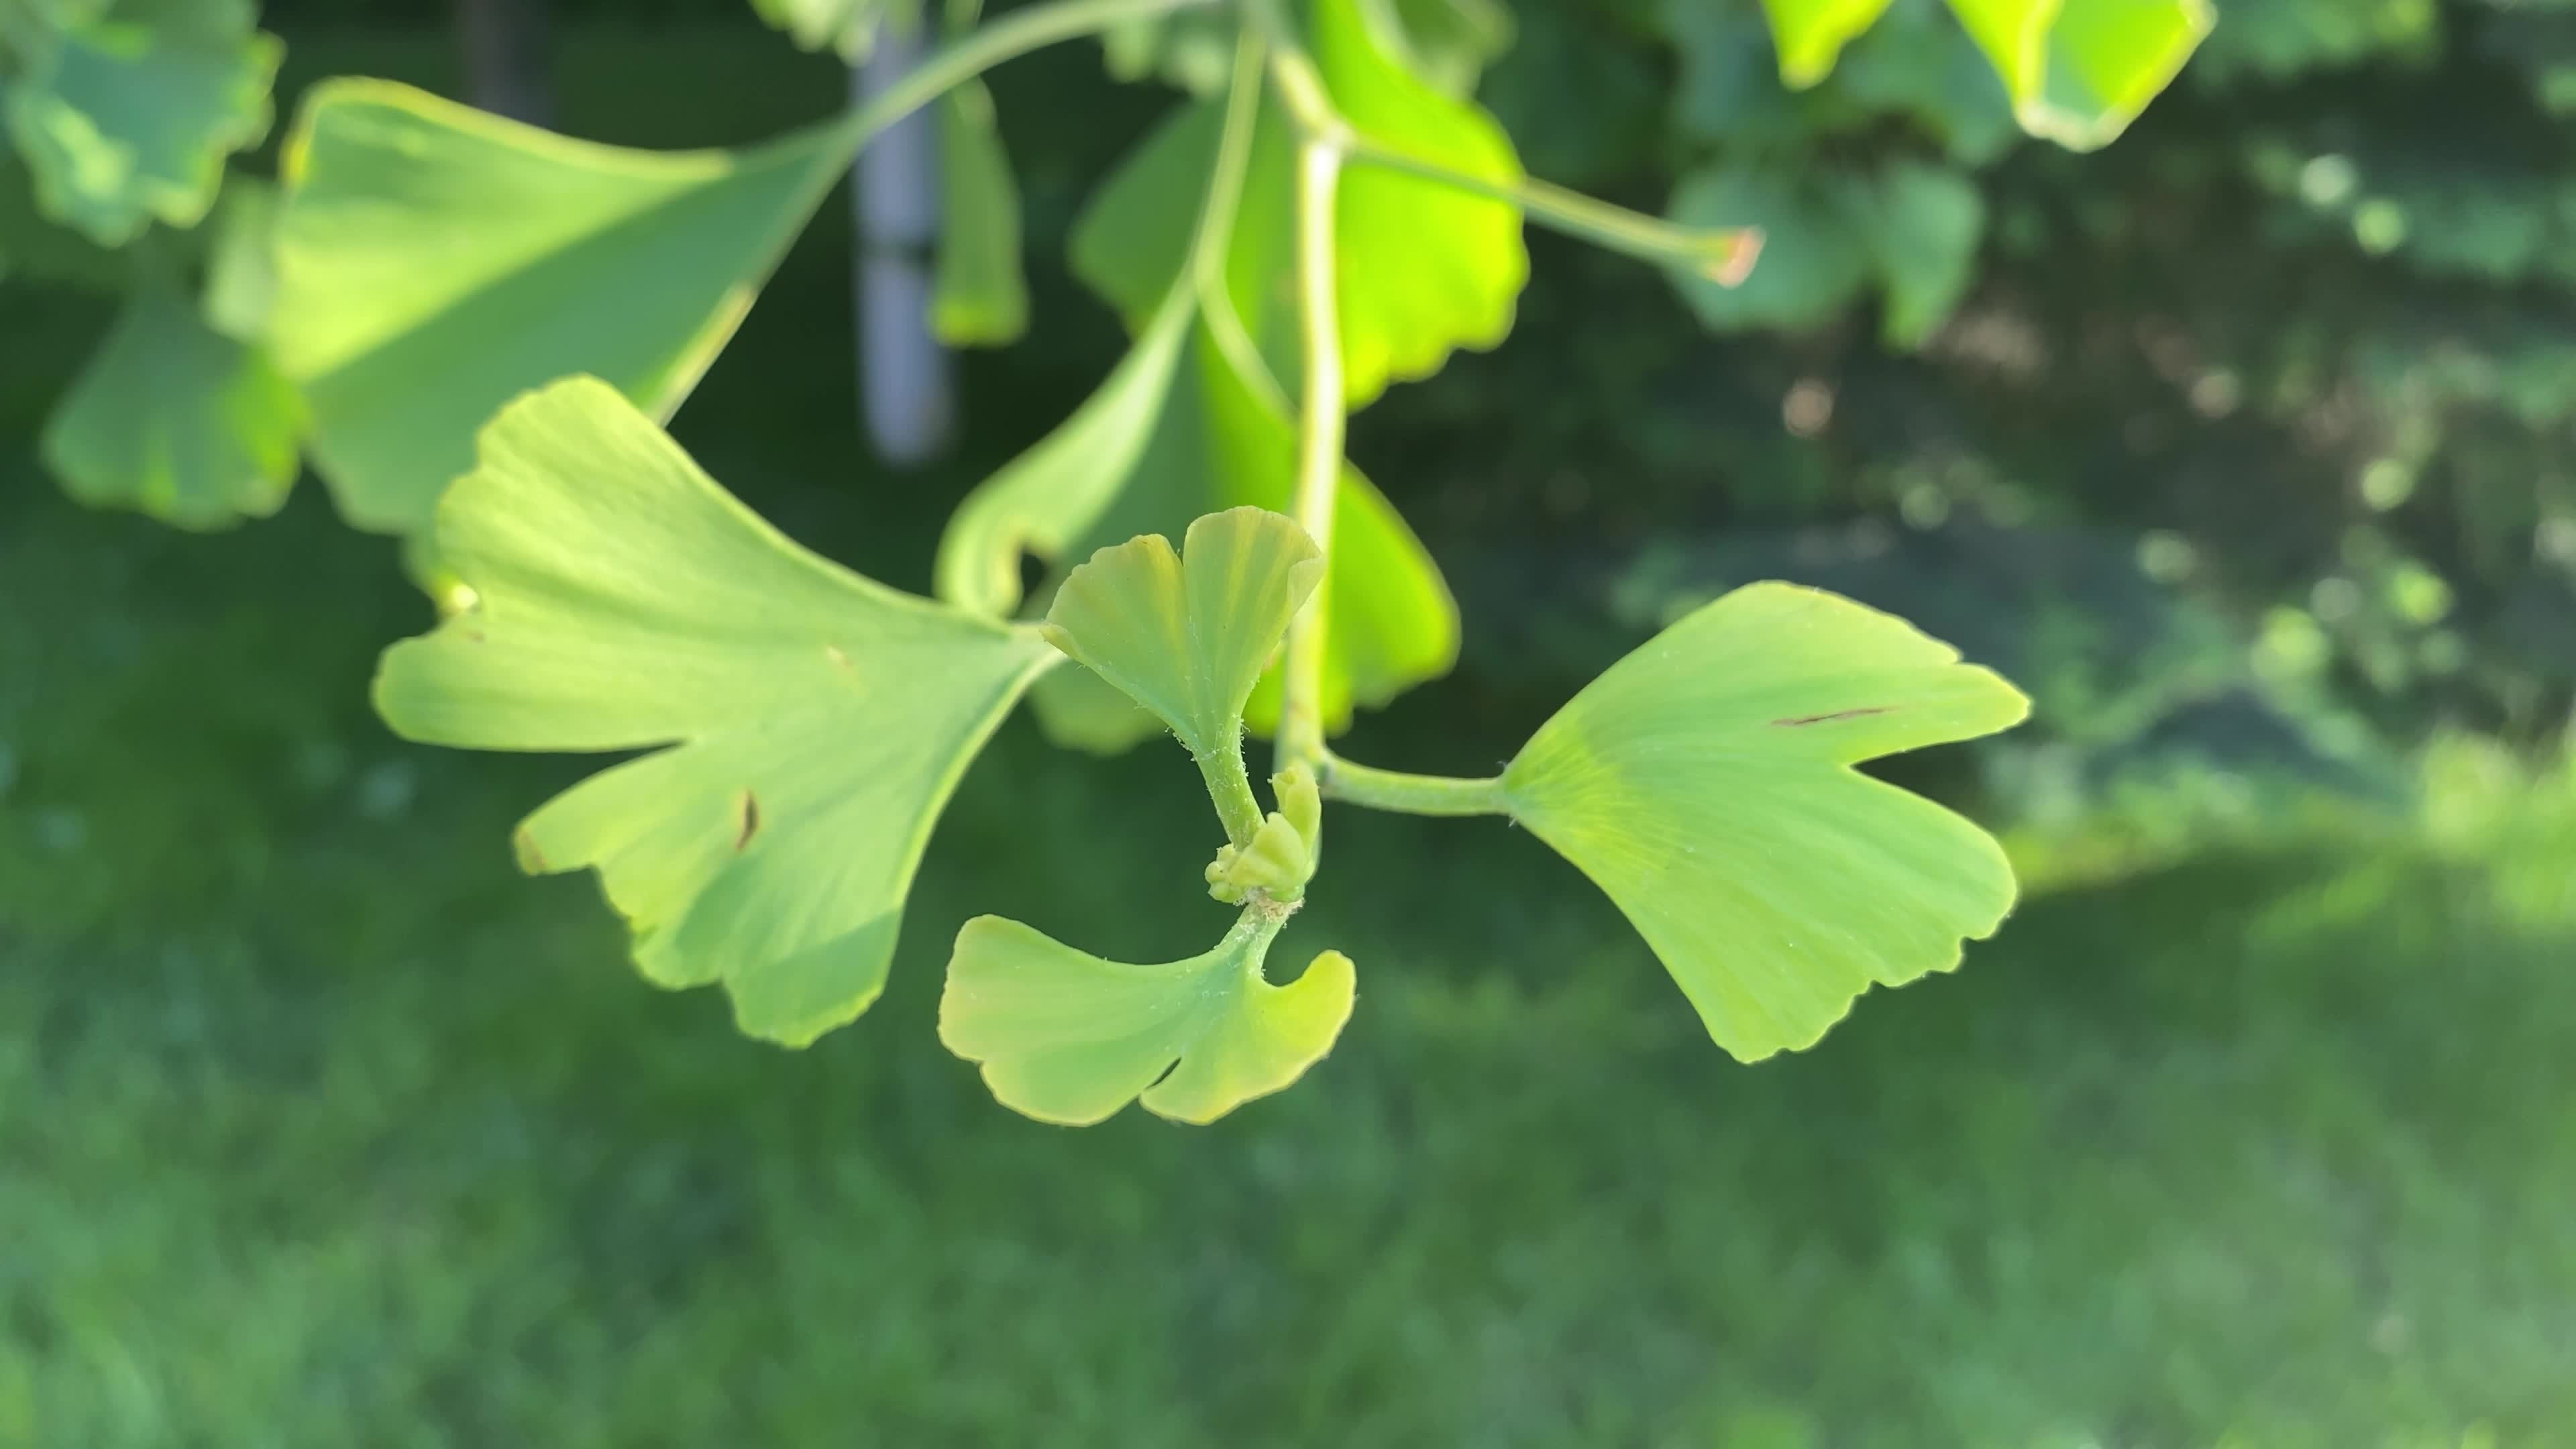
(1230, 787)
(1722, 254)
(1405, 794)
(988, 45)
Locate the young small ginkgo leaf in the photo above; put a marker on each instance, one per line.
(807, 724)
(1068, 1037)
(1180, 429)
(1187, 634)
(1705, 783)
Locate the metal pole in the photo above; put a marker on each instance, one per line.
(906, 388)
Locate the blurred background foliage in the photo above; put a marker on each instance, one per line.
(2239, 439)
(2242, 443)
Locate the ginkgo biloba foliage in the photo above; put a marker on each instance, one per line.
(436, 294)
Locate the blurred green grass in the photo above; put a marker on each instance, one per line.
(319, 1126)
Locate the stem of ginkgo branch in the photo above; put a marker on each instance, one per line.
(1321, 420)
(1319, 446)
(1033, 27)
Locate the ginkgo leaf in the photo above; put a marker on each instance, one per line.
(980, 298)
(241, 262)
(435, 261)
(35, 248)
(1446, 42)
(848, 27)
(175, 419)
(125, 111)
(1706, 784)
(1811, 34)
(1467, 260)
(1049, 499)
(807, 724)
(1816, 253)
(1065, 1036)
(1426, 268)
(2079, 71)
(1925, 223)
(1191, 48)
(1180, 430)
(1079, 710)
(1188, 634)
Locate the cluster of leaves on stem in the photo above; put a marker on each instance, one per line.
(437, 292)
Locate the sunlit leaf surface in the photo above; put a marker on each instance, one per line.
(1425, 269)
(2079, 71)
(1064, 1036)
(435, 261)
(1706, 783)
(1812, 33)
(814, 721)
(1188, 634)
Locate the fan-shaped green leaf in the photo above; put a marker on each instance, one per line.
(1925, 223)
(1446, 42)
(1811, 33)
(815, 721)
(2079, 71)
(241, 262)
(1426, 269)
(434, 261)
(1082, 711)
(1468, 263)
(125, 111)
(1192, 49)
(1705, 783)
(1064, 1036)
(1179, 431)
(1048, 499)
(1187, 635)
(1816, 251)
(848, 27)
(980, 298)
(174, 419)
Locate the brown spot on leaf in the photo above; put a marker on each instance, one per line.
(750, 821)
(1812, 719)
(532, 861)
